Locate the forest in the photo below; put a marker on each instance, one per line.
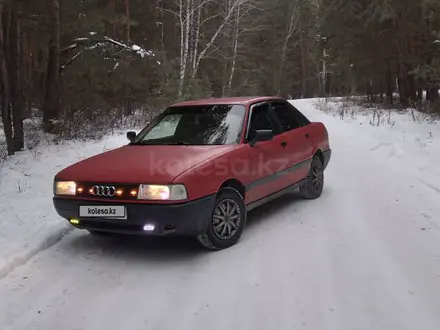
(91, 63)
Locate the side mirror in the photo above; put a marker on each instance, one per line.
(131, 136)
(262, 135)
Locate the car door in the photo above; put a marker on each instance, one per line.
(295, 132)
(266, 157)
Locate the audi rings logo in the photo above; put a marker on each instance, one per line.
(103, 191)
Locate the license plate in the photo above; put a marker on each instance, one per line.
(100, 211)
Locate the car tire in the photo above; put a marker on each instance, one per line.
(227, 221)
(314, 182)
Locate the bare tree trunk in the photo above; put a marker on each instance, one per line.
(381, 98)
(389, 83)
(196, 39)
(188, 16)
(433, 94)
(110, 28)
(293, 20)
(5, 90)
(419, 90)
(162, 28)
(191, 34)
(324, 73)
(234, 56)
(25, 75)
(127, 21)
(128, 100)
(32, 53)
(14, 69)
(51, 99)
(318, 76)
(369, 90)
(183, 46)
(303, 66)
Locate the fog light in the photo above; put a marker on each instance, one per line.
(149, 227)
(74, 221)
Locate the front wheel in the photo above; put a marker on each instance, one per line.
(227, 221)
(314, 182)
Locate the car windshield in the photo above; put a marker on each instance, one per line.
(195, 125)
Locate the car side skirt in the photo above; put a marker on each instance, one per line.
(277, 175)
(273, 196)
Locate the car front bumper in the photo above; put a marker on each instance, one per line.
(185, 219)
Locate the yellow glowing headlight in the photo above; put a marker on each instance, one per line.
(65, 188)
(162, 192)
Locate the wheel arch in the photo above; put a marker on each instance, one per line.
(234, 184)
(319, 154)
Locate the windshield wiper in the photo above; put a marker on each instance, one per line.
(144, 143)
(141, 143)
(180, 143)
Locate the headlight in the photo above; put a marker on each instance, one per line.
(65, 188)
(162, 192)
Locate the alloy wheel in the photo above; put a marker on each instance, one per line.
(317, 177)
(226, 219)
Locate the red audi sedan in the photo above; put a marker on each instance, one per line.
(197, 169)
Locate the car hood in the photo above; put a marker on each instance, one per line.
(140, 164)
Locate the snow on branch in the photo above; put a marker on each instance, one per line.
(72, 46)
(135, 48)
(103, 42)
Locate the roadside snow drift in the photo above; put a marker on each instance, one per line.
(28, 221)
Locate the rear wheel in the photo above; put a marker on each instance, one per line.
(227, 221)
(314, 184)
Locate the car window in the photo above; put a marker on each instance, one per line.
(286, 116)
(301, 119)
(196, 125)
(259, 120)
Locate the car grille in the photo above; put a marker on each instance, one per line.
(113, 191)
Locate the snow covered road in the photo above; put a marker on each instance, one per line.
(366, 255)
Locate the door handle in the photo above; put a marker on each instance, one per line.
(307, 135)
(284, 144)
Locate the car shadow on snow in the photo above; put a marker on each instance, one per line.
(142, 248)
(271, 210)
(168, 248)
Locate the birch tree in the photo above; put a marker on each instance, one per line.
(233, 6)
(236, 36)
(291, 29)
(192, 16)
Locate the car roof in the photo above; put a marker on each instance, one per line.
(244, 100)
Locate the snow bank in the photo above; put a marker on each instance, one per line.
(408, 130)
(28, 221)
(407, 140)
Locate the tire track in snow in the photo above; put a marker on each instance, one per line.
(46, 243)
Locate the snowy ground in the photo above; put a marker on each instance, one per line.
(366, 255)
(28, 221)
